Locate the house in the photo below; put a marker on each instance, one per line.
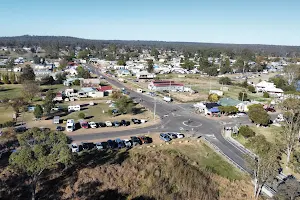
(70, 81)
(145, 75)
(229, 102)
(207, 108)
(107, 90)
(165, 85)
(96, 94)
(217, 92)
(123, 72)
(269, 87)
(91, 82)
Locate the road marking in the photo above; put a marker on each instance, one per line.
(195, 126)
(211, 136)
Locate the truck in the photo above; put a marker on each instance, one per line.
(168, 99)
(70, 127)
(56, 120)
(83, 124)
(73, 108)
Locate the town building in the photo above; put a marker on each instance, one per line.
(166, 85)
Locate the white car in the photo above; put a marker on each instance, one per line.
(74, 147)
(108, 123)
(179, 135)
(93, 124)
(233, 116)
(241, 114)
(127, 143)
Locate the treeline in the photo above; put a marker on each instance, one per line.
(56, 42)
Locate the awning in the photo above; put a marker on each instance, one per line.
(214, 110)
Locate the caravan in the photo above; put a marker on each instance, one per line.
(73, 108)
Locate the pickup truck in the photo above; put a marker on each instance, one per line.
(83, 124)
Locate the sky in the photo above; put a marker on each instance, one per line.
(212, 21)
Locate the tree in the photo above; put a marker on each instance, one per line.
(27, 74)
(225, 81)
(211, 71)
(60, 77)
(63, 63)
(83, 54)
(124, 105)
(5, 79)
(17, 105)
(76, 82)
(228, 109)
(150, 67)
(116, 95)
(82, 73)
(12, 78)
(38, 111)
(213, 98)
(246, 132)
(265, 166)
(47, 80)
(289, 189)
(243, 96)
(30, 89)
(266, 95)
(291, 71)
(48, 102)
(290, 133)
(40, 151)
(258, 114)
(251, 88)
(189, 65)
(81, 115)
(121, 62)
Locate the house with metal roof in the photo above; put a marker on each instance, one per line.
(229, 102)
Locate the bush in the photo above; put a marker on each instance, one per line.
(258, 115)
(81, 115)
(7, 124)
(246, 132)
(266, 95)
(213, 98)
(251, 88)
(225, 81)
(76, 82)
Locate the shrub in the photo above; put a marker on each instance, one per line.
(81, 115)
(266, 95)
(246, 132)
(225, 81)
(213, 98)
(251, 88)
(76, 82)
(7, 124)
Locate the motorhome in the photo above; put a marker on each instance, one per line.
(70, 125)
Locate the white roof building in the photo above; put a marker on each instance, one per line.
(269, 87)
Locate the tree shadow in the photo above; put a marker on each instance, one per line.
(89, 117)
(136, 111)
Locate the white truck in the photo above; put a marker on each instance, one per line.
(73, 108)
(56, 120)
(70, 127)
(168, 99)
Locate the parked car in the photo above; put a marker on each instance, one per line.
(179, 135)
(93, 124)
(123, 122)
(172, 135)
(120, 143)
(59, 128)
(127, 143)
(101, 124)
(270, 109)
(116, 124)
(135, 141)
(74, 147)
(146, 139)
(136, 121)
(233, 116)
(20, 129)
(111, 144)
(87, 145)
(164, 137)
(108, 123)
(101, 145)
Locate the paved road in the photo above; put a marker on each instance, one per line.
(179, 117)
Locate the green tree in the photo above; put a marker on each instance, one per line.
(81, 115)
(27, 74)
(62, 64)
(266, 95)
(211, 71)
(124, 105)
(60, 77)
(188, 64)
(150, 67)
(38, 111)
(225, 81)
(5, 79)
(47, 80)
(265, 166)
(17, 104)
(83, 54)
(251, 88)
(82, 73)
(228, 109)
(258, 114)
(48, 102)
(40, 151)
(116, 94)
(289, 189)
(154, 52)
(213, 98)
(30, 89)
(246, 132)
(12, 78)
(291, 71)
(121, 62)
(243, 96)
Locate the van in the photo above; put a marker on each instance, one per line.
(70, 127)
(56, 120)
(73, 108)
